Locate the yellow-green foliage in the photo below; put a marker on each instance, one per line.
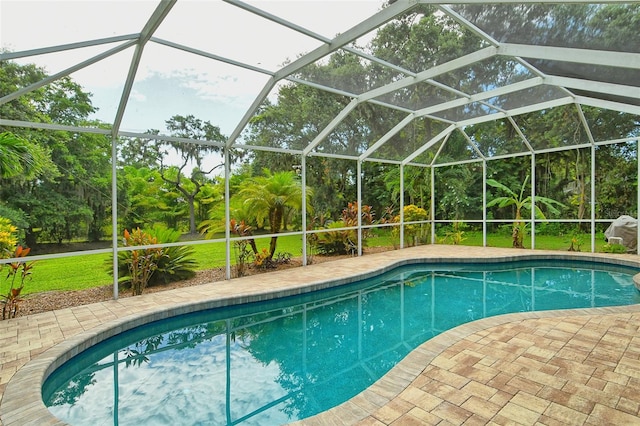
(8, 238)
(413, 213)
(19, 272)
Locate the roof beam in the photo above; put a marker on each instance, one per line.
(520, 133)
(380, 18)
(53, 126)
(7, 56)
(251, 110)
(159, 14)
(211, 56)
(66, 72)
(329, 128)
(452, 104)
(424, 76)
(593, 86)
(348, 36)
(540, 106)
(472, 144)
(387, 136)
(311, 34)
(484, 3)
(510, 88)
(405, 82)
(464, 22)
(463, 61)
(578, 56)
(614, 106)
(429, 144)
(517, 111)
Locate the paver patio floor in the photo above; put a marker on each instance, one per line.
(551, 368)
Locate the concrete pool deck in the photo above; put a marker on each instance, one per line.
(562, 367)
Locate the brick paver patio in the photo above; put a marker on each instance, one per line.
(551, 368)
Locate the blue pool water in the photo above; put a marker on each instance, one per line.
(274, 362)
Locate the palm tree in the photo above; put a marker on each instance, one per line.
(18, 156)
(268, 197)
(521, 203)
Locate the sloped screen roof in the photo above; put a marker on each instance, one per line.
(144, 61)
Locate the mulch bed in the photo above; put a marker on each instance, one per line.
(54, 300)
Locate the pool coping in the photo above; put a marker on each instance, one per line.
(22, 403)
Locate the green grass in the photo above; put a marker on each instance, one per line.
(543, 242)
(68, 273)
(82, 272)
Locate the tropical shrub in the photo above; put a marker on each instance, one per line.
(614, 248)
(337, 241)
(19, 274)
(455, 234)
(152, 266)
(141, 263)
(177, 262)
(415, 233)
(241, 247)
(344, 241)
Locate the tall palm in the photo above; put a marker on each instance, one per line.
(521, 203)
(267, 198)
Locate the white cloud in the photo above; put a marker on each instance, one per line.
(137, 96)
(187, 385)
(209, 89)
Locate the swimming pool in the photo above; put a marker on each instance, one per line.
(273, 363)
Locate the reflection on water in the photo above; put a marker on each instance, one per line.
(271, 363)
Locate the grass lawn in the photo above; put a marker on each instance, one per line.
(81, 272)
(543, 242)
(93, 270)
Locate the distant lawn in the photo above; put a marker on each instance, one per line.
(82, 272)
(543, 242)
(93, 270)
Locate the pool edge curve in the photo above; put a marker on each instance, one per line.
(22, 402)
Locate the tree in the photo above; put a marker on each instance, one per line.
(141, 197)
(192, 128)
(267, 198)
(416, 185)
(458, 191)
(416, 40)
(139, 152)
(293, 122)
(77, 203)
(521, 203)
(616, 180)
(65, 193)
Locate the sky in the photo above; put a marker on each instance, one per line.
(171, 81)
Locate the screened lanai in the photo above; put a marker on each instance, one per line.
(520, 83)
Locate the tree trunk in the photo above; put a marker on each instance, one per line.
(253, 245)
(272, 247)
(192, 216)
(276, 223)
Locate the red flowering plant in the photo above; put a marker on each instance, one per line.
(242, 252)
(141, 263)
(19, 273)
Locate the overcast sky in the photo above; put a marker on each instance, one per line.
(169, 81)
